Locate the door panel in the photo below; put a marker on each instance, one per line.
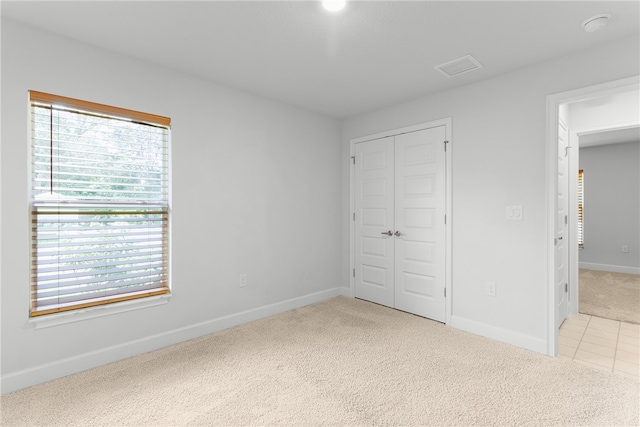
(419, 212)
(374, 209)
(562, 235)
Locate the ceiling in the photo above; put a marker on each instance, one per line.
(370, 56)
(606, 137)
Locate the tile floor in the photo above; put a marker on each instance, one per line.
(602, 343)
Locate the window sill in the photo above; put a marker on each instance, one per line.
(63, 318)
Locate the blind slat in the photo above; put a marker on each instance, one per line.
(61, 252)
(92, 263)
(95, 175)
(52, 263)
(45, 166)
(96, 238)
(104, 297)
(63, 287)
(73, 156)
(156, 225)
(101, 293)
(99, 245)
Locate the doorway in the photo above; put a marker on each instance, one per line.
(400, 236)
(609, 263)
(556, 109)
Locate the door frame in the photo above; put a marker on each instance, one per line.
(567, 231)
(553, 107)
(447, 123)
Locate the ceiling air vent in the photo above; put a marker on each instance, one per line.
(461, 65)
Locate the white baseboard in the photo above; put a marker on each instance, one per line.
(39, 374)
(612, 268)
(346, 292)
(510, 337)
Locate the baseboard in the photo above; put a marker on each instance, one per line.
(611, 268)
(346, 292)
(39, 374)
(503, 335)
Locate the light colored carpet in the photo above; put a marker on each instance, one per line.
(609, 295)
(339, 362)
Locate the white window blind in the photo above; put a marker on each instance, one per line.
(580, 208)
(100, 204)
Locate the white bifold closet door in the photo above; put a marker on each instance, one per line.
(400, 187)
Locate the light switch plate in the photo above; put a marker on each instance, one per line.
(515, 213)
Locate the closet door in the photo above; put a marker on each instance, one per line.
(400, 234)
(374, 223)
(420, 234)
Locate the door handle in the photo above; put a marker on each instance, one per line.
(398, 234)
(388, 233)
(560, 238)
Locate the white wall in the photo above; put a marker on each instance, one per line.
(499, 159)
(608, 111)
(612, 206)
(255, 187)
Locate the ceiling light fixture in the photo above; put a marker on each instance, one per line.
(596, 23)
(334, 5)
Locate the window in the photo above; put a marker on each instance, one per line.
(580, 209)
(99, 204)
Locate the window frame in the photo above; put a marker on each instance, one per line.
(155, 296)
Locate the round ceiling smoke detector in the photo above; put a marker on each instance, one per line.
(596, 23)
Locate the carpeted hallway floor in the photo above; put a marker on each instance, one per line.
(339, 362)
(610, 295)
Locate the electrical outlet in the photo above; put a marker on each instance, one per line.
(625, 249)
(243, 280)
(491, 289)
